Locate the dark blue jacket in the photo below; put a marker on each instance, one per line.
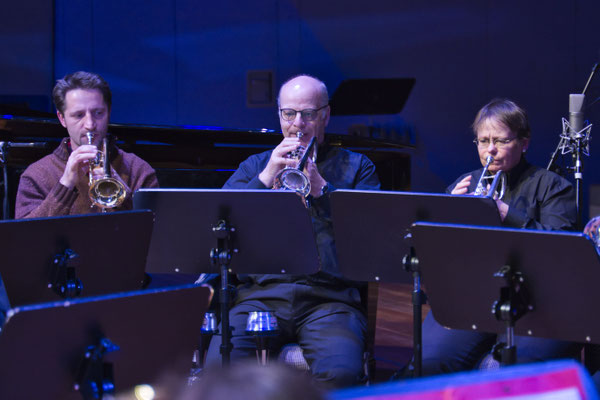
(342, 169)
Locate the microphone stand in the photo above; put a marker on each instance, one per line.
(578, 174)
(584, 135)
(575, 138)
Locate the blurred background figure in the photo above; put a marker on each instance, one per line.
(250, 381)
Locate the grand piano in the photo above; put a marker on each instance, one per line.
(186, 157)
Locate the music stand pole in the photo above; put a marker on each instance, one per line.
(411, 264)
(221, 256)
(3, 158)
(510, 307)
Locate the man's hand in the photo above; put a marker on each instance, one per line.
(279, 160)
(77, 165)
(462, 186)
(316, 180)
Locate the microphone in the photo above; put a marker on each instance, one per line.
(576, 120)
(575, 136)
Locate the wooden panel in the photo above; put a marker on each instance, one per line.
(393, 331)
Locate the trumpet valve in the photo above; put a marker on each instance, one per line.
(296, 154)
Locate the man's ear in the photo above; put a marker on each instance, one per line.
(61, 118)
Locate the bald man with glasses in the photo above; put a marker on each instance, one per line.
(321, 312)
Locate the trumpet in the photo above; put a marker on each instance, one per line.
(104, 191)
(499, 179)
(292, 178)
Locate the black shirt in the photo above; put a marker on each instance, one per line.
(537, 198)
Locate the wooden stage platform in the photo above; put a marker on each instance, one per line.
(393, 330)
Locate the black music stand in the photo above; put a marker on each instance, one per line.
(229, 231)
(372, 233)
(371, 227)
(43, 347)
(47, 259)
(371, 96)
(556, 273)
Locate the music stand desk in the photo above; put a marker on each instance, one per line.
(370, 227)
(111, 249)
(371, 96)
(560, 270)
(42, 346)
(273, 231)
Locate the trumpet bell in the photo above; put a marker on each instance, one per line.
(104, 190)
(107, 192)
(293, 179)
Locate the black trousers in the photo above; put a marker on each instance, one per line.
(454, 350)
(327, 323)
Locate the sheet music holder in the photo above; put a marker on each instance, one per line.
(111, 251)
(229, 231)
(560, 270)
(42, 346)
(273, 231)
(371, 96)
(370, 227)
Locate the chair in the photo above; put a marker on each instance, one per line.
(292, 353)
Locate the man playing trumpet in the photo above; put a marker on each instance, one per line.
(321, 312)
(534, 198)
(58, 183)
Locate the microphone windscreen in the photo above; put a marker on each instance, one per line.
(576, 112)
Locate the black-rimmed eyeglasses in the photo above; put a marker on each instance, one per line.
(309, 114)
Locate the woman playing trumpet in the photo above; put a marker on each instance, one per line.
(534, 198)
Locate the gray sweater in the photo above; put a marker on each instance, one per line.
(40, 193)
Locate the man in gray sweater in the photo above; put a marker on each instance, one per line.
(57, 184)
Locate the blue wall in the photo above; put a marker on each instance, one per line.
(26, 53)
(185, 62)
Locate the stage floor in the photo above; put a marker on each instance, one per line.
(393, 331)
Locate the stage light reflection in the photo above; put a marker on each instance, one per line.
(144, 392)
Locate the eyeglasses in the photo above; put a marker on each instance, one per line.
(309, 114)
(498, 143)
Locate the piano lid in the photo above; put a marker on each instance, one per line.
(176, 151)
(25, 129)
